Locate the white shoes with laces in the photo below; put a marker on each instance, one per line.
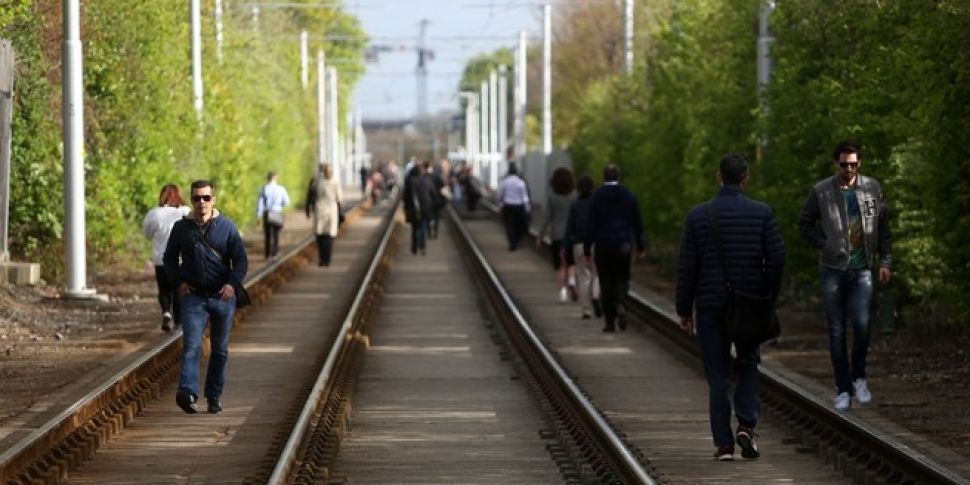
(843, 401)
(563, 295)
(862, 391)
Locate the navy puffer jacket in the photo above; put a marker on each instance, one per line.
(754, 251)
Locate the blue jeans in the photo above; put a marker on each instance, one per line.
(847, 294)
(196, 310)
(716, 355)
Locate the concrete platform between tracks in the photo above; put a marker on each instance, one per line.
(272, 357)
(435, 402)
(655, 398)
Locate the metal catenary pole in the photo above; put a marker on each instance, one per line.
(503, 117)
(196, 23)
(483, 132)
(6, 132)
(493, 128)
(547, 79)
(628, 37)
(521, 96)
(321, 108)
(72, 111)
(219, 37)
(333, 104)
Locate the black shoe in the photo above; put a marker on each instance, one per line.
(597, 308)
(166, 322)
(609, 328)
(214, 406)
(621, 321)
(745, 439)
(186, 401)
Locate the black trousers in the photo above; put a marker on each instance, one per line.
(325, 248)
(516, 223)
(613, 268)
(271, 238)
(168, 296)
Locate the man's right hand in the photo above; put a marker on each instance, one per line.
(184, 288)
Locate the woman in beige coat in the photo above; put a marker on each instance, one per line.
(323, 200)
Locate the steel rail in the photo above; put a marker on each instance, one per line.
(903, 458)
(318, 394)
(625, 463)
(42, 440)
(900, 456)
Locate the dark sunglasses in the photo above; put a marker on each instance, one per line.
(848, 164)
(199, 198)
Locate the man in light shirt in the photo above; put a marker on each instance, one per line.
(272, 199)
(513, 198)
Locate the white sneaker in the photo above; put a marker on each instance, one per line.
(862, 391)
(842, 401)
(563, 295)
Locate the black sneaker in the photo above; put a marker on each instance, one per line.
(186, 401)
(609, 328)
(214, 406)
(724, 453)
(745, 439)
(166, 322)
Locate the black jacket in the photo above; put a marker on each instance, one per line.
(614, 219)
(419, 197)
(205, 267)
(754, 251)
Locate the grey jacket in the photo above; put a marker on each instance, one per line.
(556, 214)
(824, 224)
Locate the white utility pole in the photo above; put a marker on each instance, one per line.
(321, 108)
(482, 130)
(470, 142)
(333, 121)
(521, 70)
(196, 21)
(7, 73)
(304, 59)
(255, 18)
(493, 128)
(218, 18)
(72, 112)
(547, 79)
(765, 39)
(628, 38)
(503, 117)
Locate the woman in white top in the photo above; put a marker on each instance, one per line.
(157, 226)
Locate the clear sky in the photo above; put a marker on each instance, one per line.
(389, 88)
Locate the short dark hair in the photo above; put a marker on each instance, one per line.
(562, 181)
(513, 169)
(585, 185)
(734, 168)
(846, 146)
(270, 174)
(611, 173)
(202, 183)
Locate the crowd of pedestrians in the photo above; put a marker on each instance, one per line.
(731, 245)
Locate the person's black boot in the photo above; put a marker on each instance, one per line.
(214, 405)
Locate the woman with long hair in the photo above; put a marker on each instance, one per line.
(556, 214)
(157, 226)
(589, 286)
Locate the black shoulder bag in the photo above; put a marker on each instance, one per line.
(242, 296)
(747, 318)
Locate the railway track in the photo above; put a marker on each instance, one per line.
(52, 450)
(586, 449)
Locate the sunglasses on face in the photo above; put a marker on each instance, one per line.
(200, 198)
(848, 164)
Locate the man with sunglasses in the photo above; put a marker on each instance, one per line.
(846, 218)
(206, 259)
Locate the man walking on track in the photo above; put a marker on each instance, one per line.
(614, 227)
(731, 238)
(206, 259)
(846, 218)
